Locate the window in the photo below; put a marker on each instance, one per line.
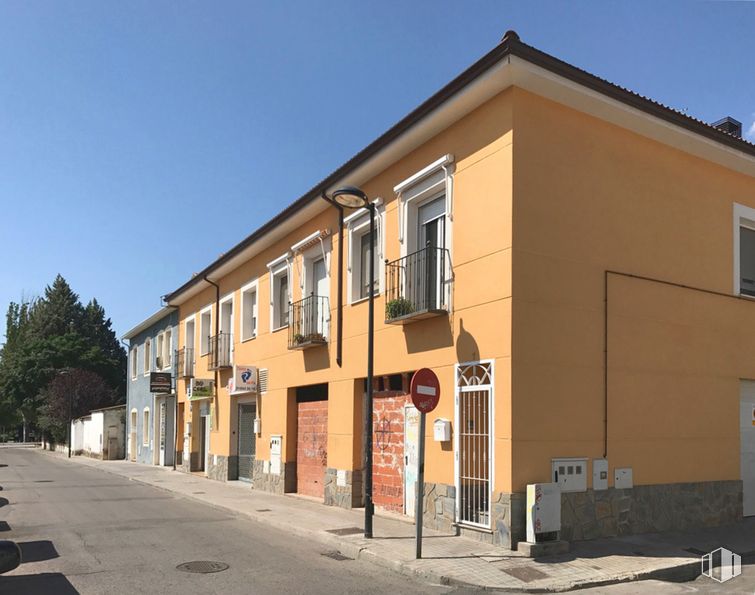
(147, 357)
(249, 311)
(280, 292)
(358, 225)
(145, 427)
(168, 349)
(133, 362)
(159, 349)
(744, 250)
(226, 315)
(205, 330)
(189, 335)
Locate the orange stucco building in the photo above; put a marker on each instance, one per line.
(572, 260)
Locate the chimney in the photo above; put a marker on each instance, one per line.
(729, 125)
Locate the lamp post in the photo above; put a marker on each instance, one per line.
(353, 198)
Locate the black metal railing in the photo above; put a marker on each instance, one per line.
(220, 351)
(308, 322)
(417, 284)
(185, 362)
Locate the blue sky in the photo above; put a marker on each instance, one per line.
(140, 140)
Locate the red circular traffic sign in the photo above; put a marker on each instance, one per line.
(425, 390)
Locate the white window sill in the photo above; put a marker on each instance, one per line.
(364, 299)
(746, 296)
(280, 328)
(252, 338)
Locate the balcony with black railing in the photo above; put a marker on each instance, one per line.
(220, 351)
(418, 286)
(308, 322)
(185, 362)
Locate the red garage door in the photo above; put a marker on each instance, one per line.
(311, 447)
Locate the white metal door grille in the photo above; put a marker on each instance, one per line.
(473, 401)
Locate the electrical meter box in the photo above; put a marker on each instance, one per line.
(570, 474)
(276, 443)
(543, 512)
(257, 425)
(442, 430)
(188, 428)
(623, 478)
(599, 474)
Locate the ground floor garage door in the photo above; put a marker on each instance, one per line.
(311, 440)
(747, 443)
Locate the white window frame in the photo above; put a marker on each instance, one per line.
(134, 351)
(145, 426)
(147, 356)
(276, 269)
(426, 185)
(204, 348)
(743, 217)
(167, 348)
(159, 349)
(251, 287)
(231, 297)
(357, 225)
(187, 320)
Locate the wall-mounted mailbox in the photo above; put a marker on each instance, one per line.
(257, 425)
(442, 430)
(276, 443)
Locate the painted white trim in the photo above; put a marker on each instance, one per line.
(147, 362)
(134, 362)
(319, 234)
(145, 439)
(193, 319)
(423, 173)
(252, 286)
(277, 261)
(204, 348)
(744, 216)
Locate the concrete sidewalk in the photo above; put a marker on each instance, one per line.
(448, 559)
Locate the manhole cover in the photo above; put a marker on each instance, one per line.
(345, 531)
(197, 492)
(264, 509)
(338, 556)
(202, 567)
(44, 480)
(525, 573)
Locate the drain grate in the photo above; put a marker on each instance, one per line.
(337, 556)
(525, 573)
(202, 567)
(345, 531)
(264, 509)
(197, 492)
(44, 480)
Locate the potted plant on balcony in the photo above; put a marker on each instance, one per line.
(398, 307)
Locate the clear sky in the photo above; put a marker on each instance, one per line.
(140, 140)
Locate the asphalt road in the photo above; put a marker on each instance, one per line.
(85, 531)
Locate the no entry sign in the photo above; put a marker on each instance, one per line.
(425, 390)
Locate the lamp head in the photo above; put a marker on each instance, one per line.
(350, 197)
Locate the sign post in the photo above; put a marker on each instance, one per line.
(425, 391)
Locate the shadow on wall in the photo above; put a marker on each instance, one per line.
(37, 584)
(467, 349)
(428, 334)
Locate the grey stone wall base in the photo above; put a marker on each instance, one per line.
(194, 461)
(226, 468)
(650, 509)
(349, 496)
(270, 482)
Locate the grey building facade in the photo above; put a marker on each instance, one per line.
(150, 417)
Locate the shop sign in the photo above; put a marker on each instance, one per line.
(201, 388)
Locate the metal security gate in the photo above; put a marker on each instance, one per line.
(474, 414)
(247, 445)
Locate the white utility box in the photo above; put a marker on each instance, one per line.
(623, 478)
(570, 474)
(599, 474)
(543, 512)
(442, 430)
(276, 443)
(257, 425)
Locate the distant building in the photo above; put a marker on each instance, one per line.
(150, 417)
(101, 434)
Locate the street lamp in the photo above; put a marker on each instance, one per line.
(351, 197)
